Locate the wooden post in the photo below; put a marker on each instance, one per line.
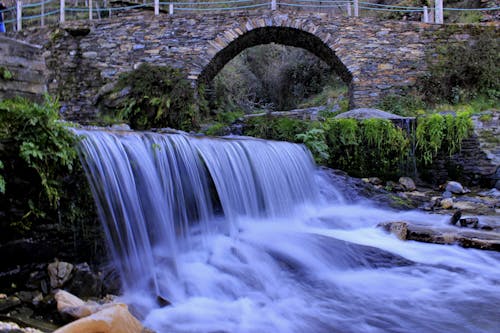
(349, 9)
(157, 7)
(439, 12)
(171, 8)
(19, 14)
(425, 17)
(62, 16)
(356, 8)
(273, 4)
(90, 10)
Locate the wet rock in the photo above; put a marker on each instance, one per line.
(469, 222)
(400, 229)
(456, 188)
(70, 305)
(486, 240)
(455, 217)
(447, 203)
(407, 183)
(59, 273)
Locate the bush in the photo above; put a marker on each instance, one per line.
(158, 97)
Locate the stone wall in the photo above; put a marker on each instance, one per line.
(374, 58)
(25, 67)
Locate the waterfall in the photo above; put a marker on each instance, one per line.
(245, 236)
(152, 190)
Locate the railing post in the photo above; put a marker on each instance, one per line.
(157, 7)
(62, 14)
(349, 9)
(42, 14)
(439, 12)
(273, 4)
(90, 10)
(356, 8)
(19, 14)
(425, 17)
(171, 9)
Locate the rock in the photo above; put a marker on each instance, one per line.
(470, 222)
(407, 183)
(456, 188)
(400, 229)
(120, 127)
(9, 327)
(447, 203)
(114, 319)
(366, 113)
(455, 217)
(59, 273)
(486, 240)
(84, 282)
(497, 185)
(8, 303)
(68, 304)
(375, 181)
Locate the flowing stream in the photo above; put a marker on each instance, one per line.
(245, 235)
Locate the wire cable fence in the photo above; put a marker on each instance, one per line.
(48, 12)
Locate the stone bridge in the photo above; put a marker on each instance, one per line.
(374, 58)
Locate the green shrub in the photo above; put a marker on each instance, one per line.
(274, 128)
(158, 97)
(408, 105)
(315, 140)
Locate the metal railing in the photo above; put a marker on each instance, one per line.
(58, 11)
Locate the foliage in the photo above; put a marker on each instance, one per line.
(315, 140)
(158, 97)
(441, 133)
(273, 77)
(42, 141)
(5, 73)
(462, 71)
(216, 129)
(408, 105)
(284, 129)
(366, 147)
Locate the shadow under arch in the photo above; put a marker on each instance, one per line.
(280, 35)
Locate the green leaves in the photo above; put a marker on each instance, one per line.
(437, 133)
(158, 97)
(43, 142)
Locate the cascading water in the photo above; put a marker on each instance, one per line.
(236, 234)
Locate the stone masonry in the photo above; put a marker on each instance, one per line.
(373, 57)
(26, 69)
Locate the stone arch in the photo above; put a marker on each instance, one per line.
(229, 44)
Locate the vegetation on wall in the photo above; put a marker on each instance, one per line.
(156, 97)
(441, 134)
(461, 71)
(41, 174)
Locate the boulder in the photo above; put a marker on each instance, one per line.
(68, 304)
(84, 283)
(113, 319)
(59, 273)
(456, 188)
(407, 183)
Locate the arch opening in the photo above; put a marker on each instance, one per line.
(286, 36)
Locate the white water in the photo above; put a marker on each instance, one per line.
(275, 255)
